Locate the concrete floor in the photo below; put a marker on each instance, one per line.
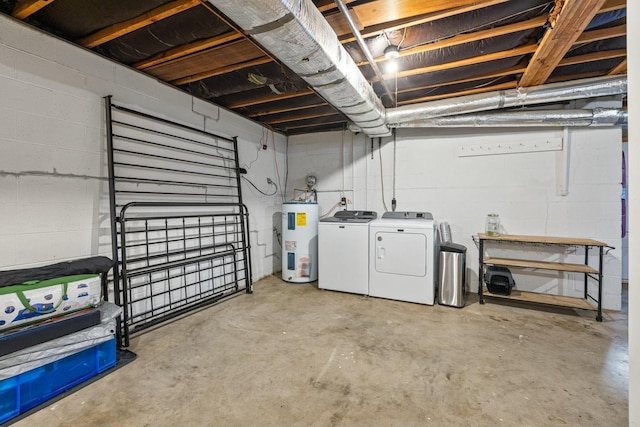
(294, 355)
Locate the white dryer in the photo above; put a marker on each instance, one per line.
(343, 251)
(402, 259)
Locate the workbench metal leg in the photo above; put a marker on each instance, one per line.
(599, 316)
(586, 275)
(481, 270)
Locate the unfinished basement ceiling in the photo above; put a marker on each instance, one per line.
(447, 48)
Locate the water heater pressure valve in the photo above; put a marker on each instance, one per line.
(311, 181)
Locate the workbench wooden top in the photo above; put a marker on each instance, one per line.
(542, 239)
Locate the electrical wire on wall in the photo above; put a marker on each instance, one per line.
(342, 156)
(393, 197)
(353, 157)
(275, 160)
(286, 166)
(382, 174)
(346, 161)
(269, 181)
(395, 144)
(259, 147)
(330, 211)
(308, 195)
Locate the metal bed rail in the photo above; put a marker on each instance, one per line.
(179, 229)
(173, 263)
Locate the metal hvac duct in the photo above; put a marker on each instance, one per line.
(297, 34)
(532, 118)
(555, 92)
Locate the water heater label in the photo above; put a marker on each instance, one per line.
(301, 219)
(290, 245)
(304, 267)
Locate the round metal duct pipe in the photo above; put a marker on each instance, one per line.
(555, 92)
(296, 33)
(533, 118)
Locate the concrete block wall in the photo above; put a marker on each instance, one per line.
(523, 188)
(53, 177)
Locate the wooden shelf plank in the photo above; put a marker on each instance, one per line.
(571, 241)
(546, 299)
(544, 265)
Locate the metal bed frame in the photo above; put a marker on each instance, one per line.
(179, 229)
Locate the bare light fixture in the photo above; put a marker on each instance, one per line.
(391, 52)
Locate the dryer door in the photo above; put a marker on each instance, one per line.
(399, 252)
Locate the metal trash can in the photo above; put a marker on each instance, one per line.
(452, 284)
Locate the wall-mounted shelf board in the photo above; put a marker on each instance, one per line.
(510, 147)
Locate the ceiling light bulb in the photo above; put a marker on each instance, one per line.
(391, 52)
(391, 67)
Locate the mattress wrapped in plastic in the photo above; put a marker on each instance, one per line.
(39, 355)
(36, 294)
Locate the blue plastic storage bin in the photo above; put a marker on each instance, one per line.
(25, 391)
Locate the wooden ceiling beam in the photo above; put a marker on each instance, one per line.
(328, 5)
(222, 70)
(275, 98)
(299, 118)
(611, 5)
(602, 34)
(495, 75)
(392, 11)
(188, 49)
(569, 77)
(270, 98)
(588, 36)
(240, 51)
(501, 86)
(471, 37)
(121, 28)
(463, 38)
(198, 46)
(522, 50)
(410, 21)
(593, 56)
(568, 20)
(315, 125)
(285, 109)
(25, 9)
(621, 68)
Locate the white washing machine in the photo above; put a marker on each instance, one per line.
(343, 251)
(402, 259)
